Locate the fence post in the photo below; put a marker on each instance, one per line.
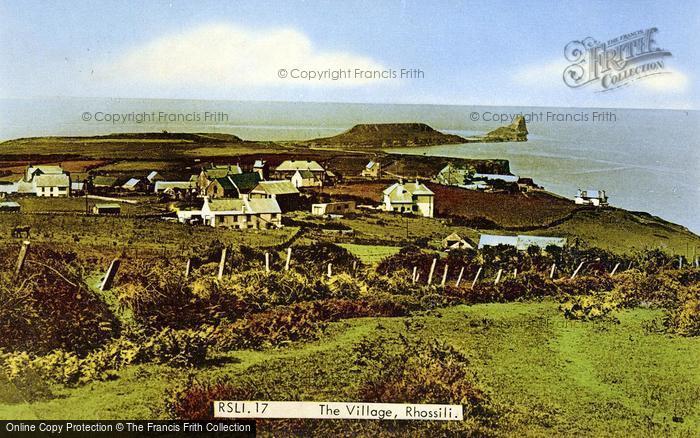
(576, 271)
(267, 262)
(498, 276)
(354, 266)
(515, 273)
(459, 278)
(109, 277)
(21, 257)
(551, 272)
(188, 267)
(289, 258)
(222, 264)
(615, 269)
(330, 270)
(413, 277)
(444, 277)
(476, 277)
(680, 262)
(432, 270)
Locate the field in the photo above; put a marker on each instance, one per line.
(506, 210)
(549, 375)
(370, 254)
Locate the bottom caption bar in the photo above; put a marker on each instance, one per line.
(337, 410)
(136, 428)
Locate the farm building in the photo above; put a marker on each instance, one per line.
(105, 182)
(34, 171)
(8, 187)
(520, 242)
(207, 175)
(112, 209)
(10, 207)
(135, 185)
(597, 198)
(77, 187)
(172, 186)
(283, 191)
(52, 185)
(262, 168)
(305, 178)
(242, 213)
(233, 186)
(288, 168)
(221, 188)
(373, 169)
(452, 175)
(333, 208)
(48, 181)
(527, 185)
(494, 177)
(154, 177)
(455, 241)
(412, 197)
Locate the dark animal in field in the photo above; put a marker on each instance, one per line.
(21, 231)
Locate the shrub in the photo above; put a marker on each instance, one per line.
(301, 321)
(315, 257)
(527, 285)
(345, 286)
(684, 318)
(588, 307)
(398, 370)
(585, 284)
(51, 307)
(172, 347)
(270, 328)
(20, 381)
(180, 347)
(193, 399)
(261, 290)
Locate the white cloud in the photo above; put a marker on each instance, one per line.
(228, 56)
(543, 75)
(669, 81)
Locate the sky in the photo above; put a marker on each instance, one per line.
(467, 52)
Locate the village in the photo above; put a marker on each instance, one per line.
(258, 196)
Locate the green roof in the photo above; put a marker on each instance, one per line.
(226, 183)
(245, 181)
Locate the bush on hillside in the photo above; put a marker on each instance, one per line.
(51, 307)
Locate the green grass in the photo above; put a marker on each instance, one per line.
(108, 236)
(545, 375)
(33, 204)
(370, 254)
(624, 232)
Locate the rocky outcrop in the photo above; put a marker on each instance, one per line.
(516, 131)
(386, 135)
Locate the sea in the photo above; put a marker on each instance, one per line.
(645, 159)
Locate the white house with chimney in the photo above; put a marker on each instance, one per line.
(596, 198)
(46, 181)
(413, 197)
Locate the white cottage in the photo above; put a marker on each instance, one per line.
(413, 197)
(597, 198)
(242, 213)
